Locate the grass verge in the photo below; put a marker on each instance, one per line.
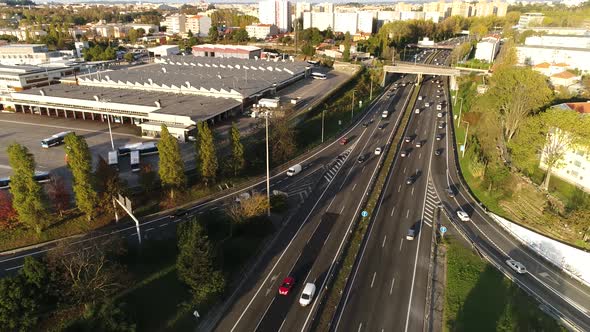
(342, 272)
(479, 298)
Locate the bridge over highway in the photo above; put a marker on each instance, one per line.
(402, 67)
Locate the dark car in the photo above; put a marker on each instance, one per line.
(178, 214)
(411, 179)
(439, 137)
(381, 126)
(361, 158)
(450, 191)
(408, 139)
(365, 124)
(438, 152)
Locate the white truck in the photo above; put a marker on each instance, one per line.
(134, 161)
(269, 102)
(113, 159)
(294, 170)
(385, 114)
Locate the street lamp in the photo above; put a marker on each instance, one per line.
(323, 125)
(465, 142)
(105, 101)
(460, 111)
(267, 167)
(352, 106)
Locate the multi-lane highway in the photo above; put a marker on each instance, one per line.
(309, 246)
(387, 288)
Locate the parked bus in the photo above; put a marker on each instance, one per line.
(313, 63)
(127, 148)
(39, 177)
(318, 76)
(113, 159)
(143, 148)
(135, 161)
(54, 140)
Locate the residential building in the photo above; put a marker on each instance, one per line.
(565, 79)
(460, 8)
(326, 7)
(23, 33)
(410, 15)
(532, 55)
(530, 19)
(277, 12)
(487, 49)
(559, 41)
(559, 74)
(345, 22)
(199, 25)
(148, 28)
(563, 31)
(302, 7)
(575, 167)
(24, 54)
(105, 31)
(321, 21)
(175, 23)
(366, 21)
(403, 7)
(262, 31)
(384, 17)
(227, 51)
(435, 17)
(495, 8)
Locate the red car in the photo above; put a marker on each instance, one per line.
(286, 285)
(344, 141)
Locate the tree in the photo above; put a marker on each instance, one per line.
(195, 262)
(129, 57)
(518, 92)
(237, 149)
(59, 194)
(7, 213)
(240, 35)
(148, 179)
(103, 316)
(189, 34)
(213, 34)
(207, 153)
(346, 53)
(27, 195)
(80, 163)
(171, 165)
(108, 184)
(282, 140)
(132, 35)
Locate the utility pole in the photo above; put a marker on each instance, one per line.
(465, 142)
(323, 125)
(371, 94)
(352, 106)
(267, 168)
(460, 110)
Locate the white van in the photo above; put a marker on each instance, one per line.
(385, 114)
(307, 294)
(293, 170)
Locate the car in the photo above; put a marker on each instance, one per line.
(178, 214)
(419, 144)
(419, 97)
(411, 234)
(439, 137)
(404, 153)
(438, 86)
(411, 179)
(408, 139)
(343, 141)
(365, 124)
(378, 151)
(426, 104)
(439, 115)
(307, 294)
(463, 216)
(361, 158)
(441, 125)
(381, 126)
(286, 285)
(403, 84)
(516, 266)
(437, 96)
(450, 192)
(417, 111)
(438, 152)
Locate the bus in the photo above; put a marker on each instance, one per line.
(127, 148)
(318, 76)
(135, 161)
(39, 177)
(143, 148)
(54, 140)
(113, 159)
(313, 63)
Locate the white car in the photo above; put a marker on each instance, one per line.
(463, 216)
(417, 111)
(307, 294)
(378, 151)
(419, 97)
(439, 114)
(419, 144)
(403, 154)
(427, 104)
(516, 266)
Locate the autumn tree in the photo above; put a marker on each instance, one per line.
(28, 198)
(206, 153)
(59, 194)
(148, 178)
(346, 52)
(282, 140)
(108, 184)
(237, 149)
(80, 163)
(195, 262)
(171, 165)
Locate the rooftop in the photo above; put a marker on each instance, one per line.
(228, 47)
(581, 107)
(564, 74)
(542, 65)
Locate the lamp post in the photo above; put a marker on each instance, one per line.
(405, 46)
(267, 168)
(465, 142)
(460, 111)
(352, 106)
(323, 125)
(105, 101)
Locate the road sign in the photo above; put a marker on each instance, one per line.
(443, 229)
(462, 148)
(365, 214)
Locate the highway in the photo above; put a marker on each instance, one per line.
(308, 247)
(388, 285)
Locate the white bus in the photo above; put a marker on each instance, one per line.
(143, 148)
(318, 76)
(113, 159)
(135, 166)
(39, 177)
(56, 139)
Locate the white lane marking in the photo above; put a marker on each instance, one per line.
(163, 225)
(407, 213)
(353, 187)
(420, 155)
(283, 323)
(383, 244)
(347, 174)
(373, 281)
(332, 201)
(15, 267)
(412, 191)
(265, 311)
(404, 170)
(341, 209)
(392, 211)
(360, 326)
(70, 128)
(399, 188)
(327, 237)
(391, 288)
(401, 244)
(149, 229)
(362, 170)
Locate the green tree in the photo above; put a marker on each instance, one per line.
(171, 165)
(237, 148)
(213, 34)
(103, 316)
(240, 36)
(195, 262)
(27, 195)
(108, 184)
(346, 53)
(129, 57)
(207, 153)
(132, 35)
(282, 140)
(80, 163)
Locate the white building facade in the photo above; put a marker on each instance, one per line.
(261, 31)
(175, 23)
(487, 49)
(199, 25)
(277, 12)
(575, 57)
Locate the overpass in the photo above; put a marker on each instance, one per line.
(403, 67)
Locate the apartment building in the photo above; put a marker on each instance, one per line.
(199, 25)
(276, 12)
(261, 31)
(175, 23)
(530, 19)
(23, 33)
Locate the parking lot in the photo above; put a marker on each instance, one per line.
(29, 130)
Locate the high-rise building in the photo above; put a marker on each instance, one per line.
(366, 21)
(345, 22)
(175, 23)
(302, 7)
(199, 25)
(277, 12)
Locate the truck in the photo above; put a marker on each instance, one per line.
(269, 102)
(294, 170)
(135, 161)
(385, 114)
(113, 159)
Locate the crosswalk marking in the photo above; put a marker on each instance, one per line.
(430, 205)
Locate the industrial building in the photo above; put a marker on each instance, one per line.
(18, 78)
(178, 91)
(227, 51)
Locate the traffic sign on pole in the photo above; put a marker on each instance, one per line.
(443, 230)
(365, 214)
